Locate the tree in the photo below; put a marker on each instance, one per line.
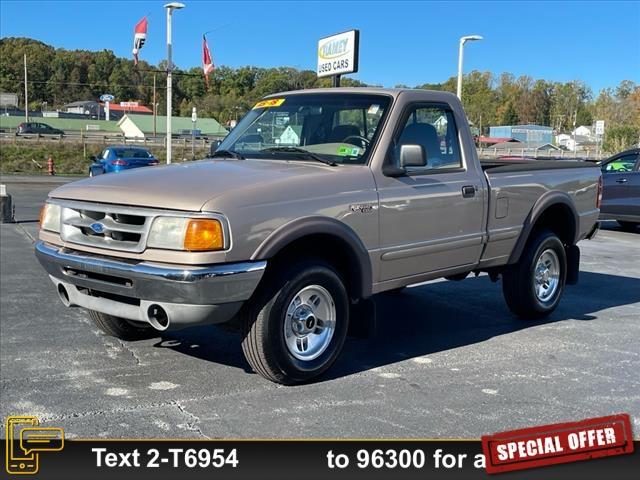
(510, 116)
(620, 137)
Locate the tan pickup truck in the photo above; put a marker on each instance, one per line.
(316, 201)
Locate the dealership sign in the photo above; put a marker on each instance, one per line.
(338, 54)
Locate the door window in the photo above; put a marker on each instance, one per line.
(622, 164)
(435, 130)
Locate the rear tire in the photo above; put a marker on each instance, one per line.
(120, 327)
(294, 327)
(533, 287)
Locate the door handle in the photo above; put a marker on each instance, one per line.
(468, 191)
(621, 180)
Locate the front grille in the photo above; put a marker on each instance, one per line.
(105, 226)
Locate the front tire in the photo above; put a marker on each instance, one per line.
(121, 328)
(296, 324)
(533, 287)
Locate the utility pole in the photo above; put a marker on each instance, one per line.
(170, 8)
(26, 91)
(575, 145)
(155, 107)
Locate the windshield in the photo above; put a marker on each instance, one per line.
(131, 153)
(336, 127)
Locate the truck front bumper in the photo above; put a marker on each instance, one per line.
(163, 295)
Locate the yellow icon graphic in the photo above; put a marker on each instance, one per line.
(25, 440)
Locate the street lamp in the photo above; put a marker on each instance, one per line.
(170, 8)
(463, 40)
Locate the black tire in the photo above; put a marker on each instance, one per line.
(629, 226)
(519, 283)
(263, 323)
(120, 327)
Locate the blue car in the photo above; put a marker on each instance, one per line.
(116, 158)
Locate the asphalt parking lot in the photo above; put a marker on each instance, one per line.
(448, 360)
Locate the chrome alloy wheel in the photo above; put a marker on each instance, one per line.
(547, 275)
(310, 322)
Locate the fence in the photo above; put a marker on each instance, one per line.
(588, 154)
(185, 141)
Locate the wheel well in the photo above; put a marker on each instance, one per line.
(329, 248)
(559, 219)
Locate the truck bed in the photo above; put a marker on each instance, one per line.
(506, 166)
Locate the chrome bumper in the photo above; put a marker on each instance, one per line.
(189, 294)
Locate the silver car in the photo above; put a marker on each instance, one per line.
(621, 195)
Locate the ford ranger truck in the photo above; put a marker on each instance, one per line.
(316, 201)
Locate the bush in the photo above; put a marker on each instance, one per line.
(31, 158)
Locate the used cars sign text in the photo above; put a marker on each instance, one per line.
(338, 54)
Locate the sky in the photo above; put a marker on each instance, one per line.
(400, 42)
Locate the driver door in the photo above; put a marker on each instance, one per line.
(618, 175)
(431, 218)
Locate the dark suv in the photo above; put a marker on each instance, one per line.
(38, 128)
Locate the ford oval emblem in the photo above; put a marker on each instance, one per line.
(97, 227)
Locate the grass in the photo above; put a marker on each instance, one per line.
(69, 159)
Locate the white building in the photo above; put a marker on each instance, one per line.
(573, 144)
(582, 131)
(563, 139)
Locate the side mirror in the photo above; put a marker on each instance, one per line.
(408, 156)
(412, 156)
(93, 158)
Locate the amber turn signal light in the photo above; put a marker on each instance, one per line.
(43, 211)
(203, 234)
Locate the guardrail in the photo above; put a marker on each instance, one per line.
(588, 154)
(106, 138)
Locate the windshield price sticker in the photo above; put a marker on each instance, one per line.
(272, 102)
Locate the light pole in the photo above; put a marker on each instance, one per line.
(170, 8)
(463, 40)
(194, 119)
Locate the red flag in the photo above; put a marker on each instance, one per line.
(139, 37)
(207, 63)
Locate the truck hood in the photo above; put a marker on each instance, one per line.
(188, 186)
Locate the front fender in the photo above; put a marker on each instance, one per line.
(303, 227)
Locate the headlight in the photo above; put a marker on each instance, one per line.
(191, 234)
(50, 217)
